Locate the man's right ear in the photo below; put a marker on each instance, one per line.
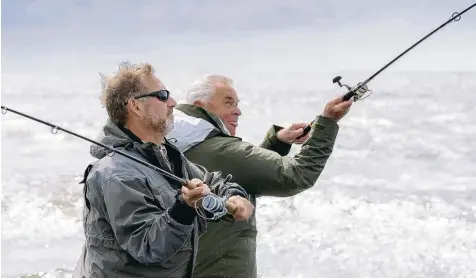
(134, 107)
(199, 103)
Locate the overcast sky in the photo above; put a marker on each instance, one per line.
(264, 35)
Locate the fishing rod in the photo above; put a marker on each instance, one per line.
(212, 203)
(361, 88)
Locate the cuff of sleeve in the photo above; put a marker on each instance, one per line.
(182, 213)
(236, 190)
(326, 125)
(282, 148)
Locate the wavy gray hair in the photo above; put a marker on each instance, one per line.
(203, 88)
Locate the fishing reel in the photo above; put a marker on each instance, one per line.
(358, 92)
(212, 207)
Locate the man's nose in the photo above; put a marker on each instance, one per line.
(237, 111)
(171, 103)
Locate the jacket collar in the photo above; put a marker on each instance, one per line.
(199, 112)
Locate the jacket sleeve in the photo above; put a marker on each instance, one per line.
(225, 190)
(142, 226)
(264, 172)
(215, 180)
(271, 142)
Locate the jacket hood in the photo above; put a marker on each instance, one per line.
(111, 135)
(192, 125)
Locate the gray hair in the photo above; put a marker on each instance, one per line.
(203, 88)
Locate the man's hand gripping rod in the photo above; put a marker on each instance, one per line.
(358, 92)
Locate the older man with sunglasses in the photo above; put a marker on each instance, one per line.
(205, 130)
(137, 221)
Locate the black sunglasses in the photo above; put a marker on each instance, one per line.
(162, 95)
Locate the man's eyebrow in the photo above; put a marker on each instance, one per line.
(229, 98)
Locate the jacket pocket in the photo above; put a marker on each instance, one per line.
(159, 193)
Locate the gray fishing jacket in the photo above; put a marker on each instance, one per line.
(133, 223)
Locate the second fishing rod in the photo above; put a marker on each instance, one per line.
(358, 92)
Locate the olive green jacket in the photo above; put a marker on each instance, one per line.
(230, 250)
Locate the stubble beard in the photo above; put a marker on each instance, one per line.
(160, 125)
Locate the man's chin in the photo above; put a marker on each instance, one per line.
(232, 130)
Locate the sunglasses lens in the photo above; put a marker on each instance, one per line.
(163, 95)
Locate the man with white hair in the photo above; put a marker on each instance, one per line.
(204, 130)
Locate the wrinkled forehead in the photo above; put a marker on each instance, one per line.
(223, 91)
